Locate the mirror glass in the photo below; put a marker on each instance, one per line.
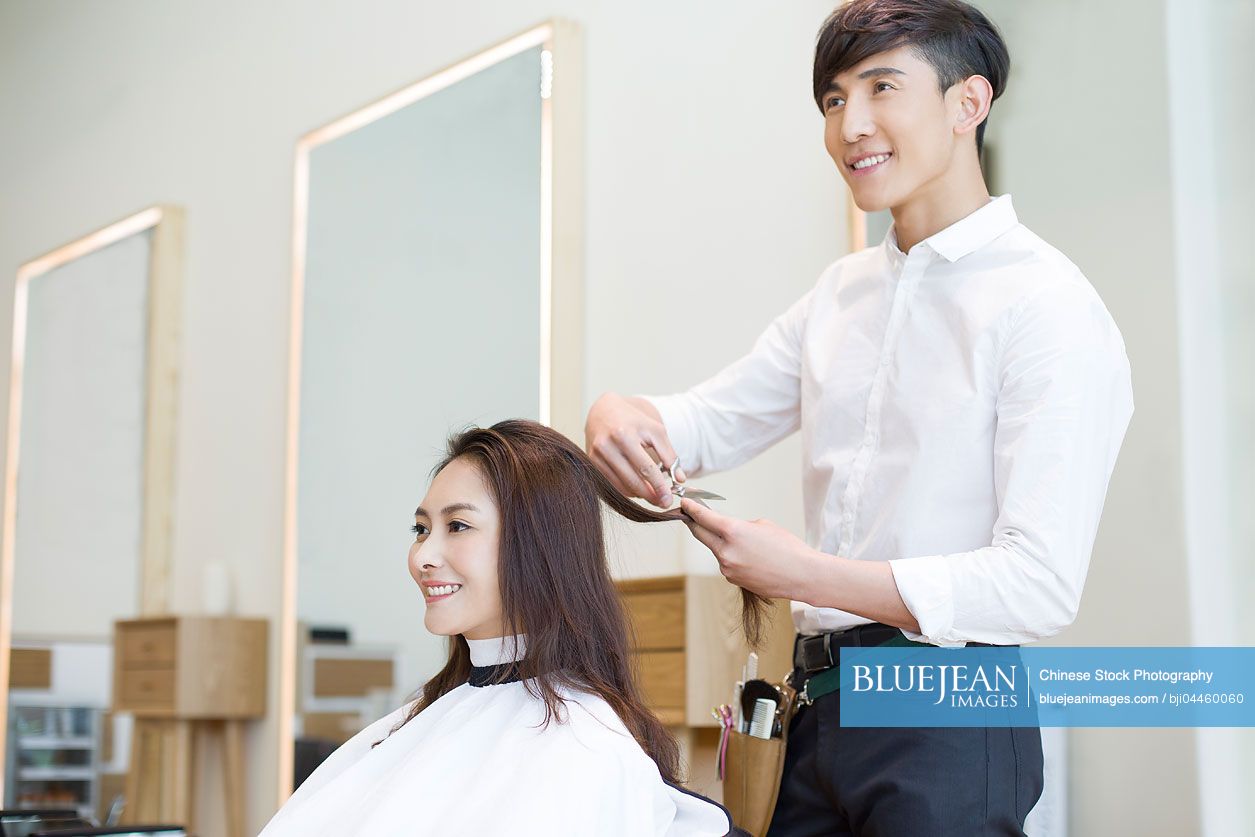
(420, 315)
(79, 522)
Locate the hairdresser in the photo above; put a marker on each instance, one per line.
(962, 393)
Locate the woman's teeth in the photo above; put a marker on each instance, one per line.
(871, 161)
(443, 590)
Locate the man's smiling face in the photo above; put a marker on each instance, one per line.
(888, 128)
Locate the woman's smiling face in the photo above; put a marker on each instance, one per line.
(455, 553)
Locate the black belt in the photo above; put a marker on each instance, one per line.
(816, 653)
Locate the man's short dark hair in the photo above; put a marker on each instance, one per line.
(956, 39)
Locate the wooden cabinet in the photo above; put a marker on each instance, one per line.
(190, 667)
(689, 647)
(180, 676)
(343, 688)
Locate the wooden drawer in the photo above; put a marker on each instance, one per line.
(350, 677)
(331, 726)
(146, 645)
(657, 619)
(144, 690)
(661, 675)
(30, 668)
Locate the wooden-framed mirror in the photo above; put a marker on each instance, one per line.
(88, 495)
(437, 253)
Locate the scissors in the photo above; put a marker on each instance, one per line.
(681, 490)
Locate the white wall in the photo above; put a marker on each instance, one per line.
(1085, 149)
(1105, 139)
(1210, 60)
(1231, 35)
(711, 206)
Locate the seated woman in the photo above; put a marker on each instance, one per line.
(534, 725)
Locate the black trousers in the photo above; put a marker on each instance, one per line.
(907, 782)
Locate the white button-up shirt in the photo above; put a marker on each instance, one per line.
(961, 408)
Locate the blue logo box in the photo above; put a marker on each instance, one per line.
(1047, 687)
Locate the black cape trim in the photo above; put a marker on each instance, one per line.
(497, 675)
(733, 830)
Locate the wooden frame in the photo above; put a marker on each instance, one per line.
(165, 291)
(561, 276)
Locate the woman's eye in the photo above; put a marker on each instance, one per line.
(418, 529)
(457, 523)
(880, 84)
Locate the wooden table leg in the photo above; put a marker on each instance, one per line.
(150, 787)
(233, 779)
(189, 798)
(129, 813)
(180, 776)
(173, 769)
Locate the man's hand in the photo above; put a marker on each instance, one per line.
(766, 559)
(626, 440)
(755, 554)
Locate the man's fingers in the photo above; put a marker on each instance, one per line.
(605, 461)
(658, 441)
(644, 463)
(705, 517)
(634, 481)
(608, 470)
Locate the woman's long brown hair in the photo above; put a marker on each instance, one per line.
(555, 580)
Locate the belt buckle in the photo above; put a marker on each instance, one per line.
(809, 662)
(815, 655)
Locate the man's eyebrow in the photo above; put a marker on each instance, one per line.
(874, 71)
(447, 510)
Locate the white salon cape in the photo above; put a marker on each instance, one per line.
(478, 762)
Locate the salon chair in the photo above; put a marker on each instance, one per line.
(21, 822)
(66, 822)
(117, 830)
(310, 752)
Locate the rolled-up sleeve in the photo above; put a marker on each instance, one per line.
(745, 408)
(1065, 400)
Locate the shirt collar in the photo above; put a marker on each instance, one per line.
(964, 236)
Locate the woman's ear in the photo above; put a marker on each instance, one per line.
(975, 96)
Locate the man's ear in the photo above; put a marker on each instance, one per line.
(974, 95)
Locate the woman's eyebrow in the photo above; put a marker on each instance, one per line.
(447, 510)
